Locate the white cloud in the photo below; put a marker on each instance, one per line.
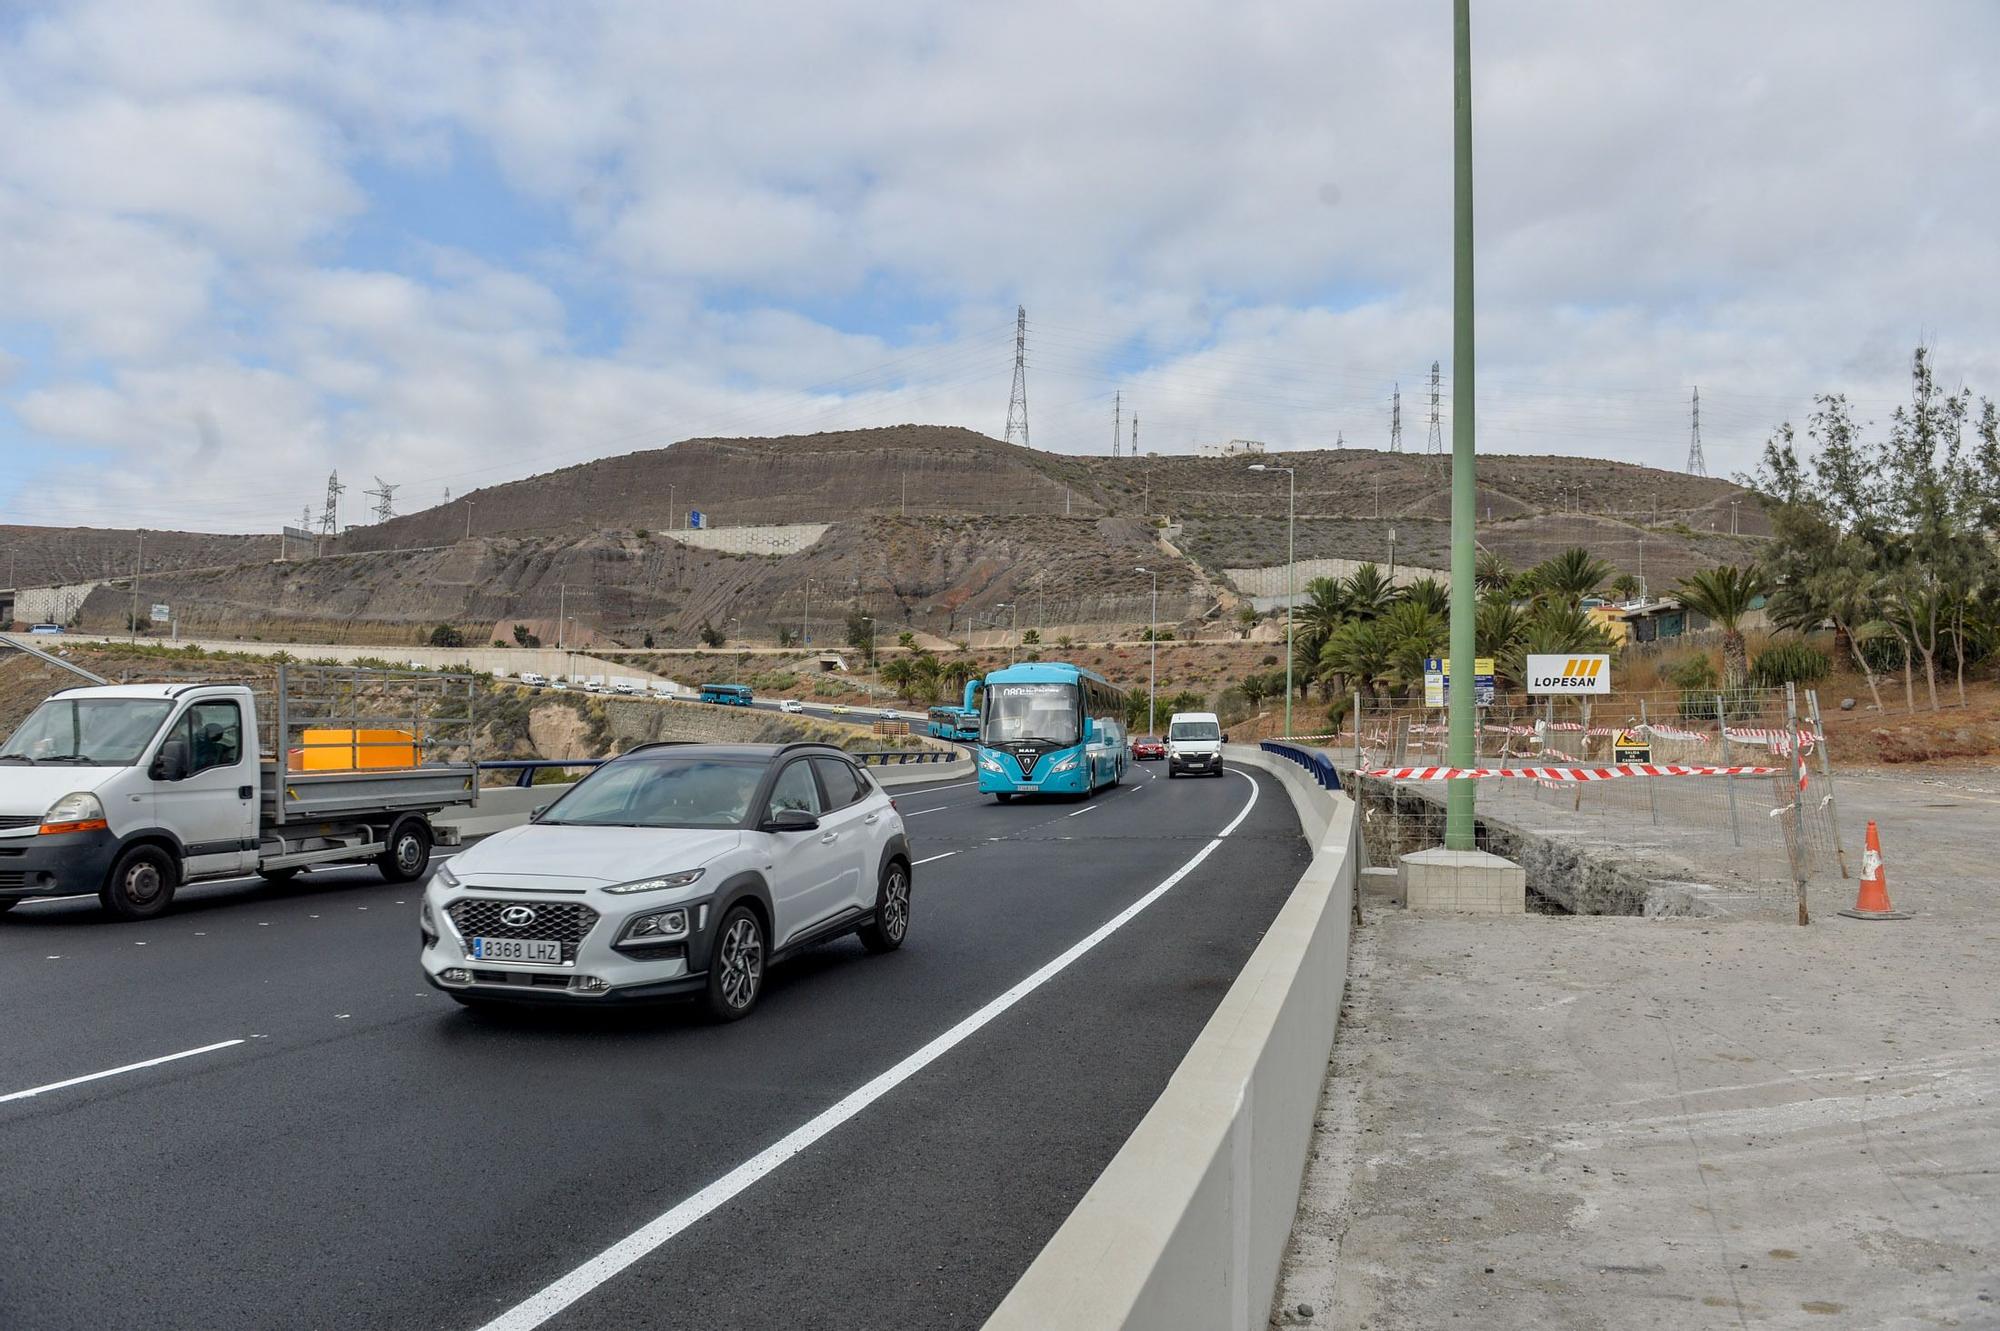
(806, 216)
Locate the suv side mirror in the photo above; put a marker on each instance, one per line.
(171, 762)
(535, 814)
(790, 820)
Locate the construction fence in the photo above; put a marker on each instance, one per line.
(1651, 803)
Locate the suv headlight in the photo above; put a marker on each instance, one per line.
(78, 811)
(660, 883)
(666, 925)
(444, 877)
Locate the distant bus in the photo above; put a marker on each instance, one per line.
(957, 723)
(1048, 728)
(729, 695)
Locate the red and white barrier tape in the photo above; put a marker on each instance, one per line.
(1565, 773)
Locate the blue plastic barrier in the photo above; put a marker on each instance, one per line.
(1313, 760)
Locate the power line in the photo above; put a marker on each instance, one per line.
(1117, 419)
(329, 522)
(384, 495)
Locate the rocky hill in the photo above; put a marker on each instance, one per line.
(927, 528)
(52, 556)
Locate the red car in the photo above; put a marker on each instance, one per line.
(1148, 747)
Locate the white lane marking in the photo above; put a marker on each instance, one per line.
(918, 813)
(112, 1072)
(565, 1290)
(956, 785)
(1080, 812)
(935, 858)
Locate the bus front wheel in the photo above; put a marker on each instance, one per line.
(1002, 796)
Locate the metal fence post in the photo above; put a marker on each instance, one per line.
(1357, 732)
(1652, 790)
(1801, 868)
(1826, 775)
(1729, 782)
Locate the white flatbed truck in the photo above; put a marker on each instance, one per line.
(130, 791)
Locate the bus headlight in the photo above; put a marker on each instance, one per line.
(989, 763)
(1064, 764)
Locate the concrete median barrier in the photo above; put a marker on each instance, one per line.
(1188, 1224)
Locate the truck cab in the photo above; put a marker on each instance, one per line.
(129, 791)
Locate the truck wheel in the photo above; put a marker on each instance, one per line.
(140, 885)
(892, 910)
(409, 852)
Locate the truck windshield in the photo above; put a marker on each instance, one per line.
(1194, 730)
(103, 732)
(660, 793)
(1017, 712)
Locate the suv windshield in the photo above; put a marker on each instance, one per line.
(102, 732)
(1017, 712)
(660, 792)
(1194, 730)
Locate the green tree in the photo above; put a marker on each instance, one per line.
(1415, 633)
(1246, 620)
(898, 673)
(710, 635)
(1255, 688)
(861, 633)
(1032, 638)
(1491, 572)
(1429, 593)
(1369, 592)
(523, 638)
(906, 640)
(1571, 575)
(1326, 608)
(1724, 594)
(1625, 587)
(1361, 654)
(447, 635)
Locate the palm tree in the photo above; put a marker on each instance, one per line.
(1414, 633)
(1571, 575)
(1430, 593)
(1498, 625)
(1625, 587)
(1723, 594)
(1492, 573)
(898, 674)
(958, 672)
(1369, 592)
(1325, 608)
(1359, 653)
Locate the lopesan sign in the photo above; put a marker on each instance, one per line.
(1559, 673)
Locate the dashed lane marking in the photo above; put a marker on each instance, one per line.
(113, 1072)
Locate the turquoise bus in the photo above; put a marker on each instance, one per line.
(729, 695)
(955, 723)
(1047, 727)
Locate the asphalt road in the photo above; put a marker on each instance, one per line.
(370, 1155)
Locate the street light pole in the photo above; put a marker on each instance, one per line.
(1458, 824)
(469, 506)
(562, 610)
(1291, 522)
(1153, 668)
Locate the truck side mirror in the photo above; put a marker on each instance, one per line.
(171, 762)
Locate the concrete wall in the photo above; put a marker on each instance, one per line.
(54, 605)
(1266, 586)
(787, 539)
(1188, 1224)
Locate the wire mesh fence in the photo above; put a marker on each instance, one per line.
(1731, 796)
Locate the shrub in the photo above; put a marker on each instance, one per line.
(446, 635)
(1693, 672)
(711, 636)
(1790, 661)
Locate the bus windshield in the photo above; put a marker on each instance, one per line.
(100, 732)
(1041, 712)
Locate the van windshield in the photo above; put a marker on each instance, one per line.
(1194, 730)
(99, 732)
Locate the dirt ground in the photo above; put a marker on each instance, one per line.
(1555, 1122)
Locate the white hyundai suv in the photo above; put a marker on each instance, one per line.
(672, 870)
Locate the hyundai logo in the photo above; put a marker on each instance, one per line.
(518, 917)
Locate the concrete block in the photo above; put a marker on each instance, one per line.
(1467, 881)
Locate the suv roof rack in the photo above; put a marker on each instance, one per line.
(659, 744)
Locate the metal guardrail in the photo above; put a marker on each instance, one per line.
(898, 757)
(527, 767)
(1313, 760)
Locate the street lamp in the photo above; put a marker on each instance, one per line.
(869, 620)
(1008, 605)
(1153, 669)
(1291, 513)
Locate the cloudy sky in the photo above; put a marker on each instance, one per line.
(242, 244)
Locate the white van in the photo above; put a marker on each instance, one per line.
(534, 679)
(1194, 743)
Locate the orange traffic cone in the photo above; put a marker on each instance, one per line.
(1873, 903)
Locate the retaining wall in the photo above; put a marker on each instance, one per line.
(1187, 1226)
(1266, 586)
(786, 539)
